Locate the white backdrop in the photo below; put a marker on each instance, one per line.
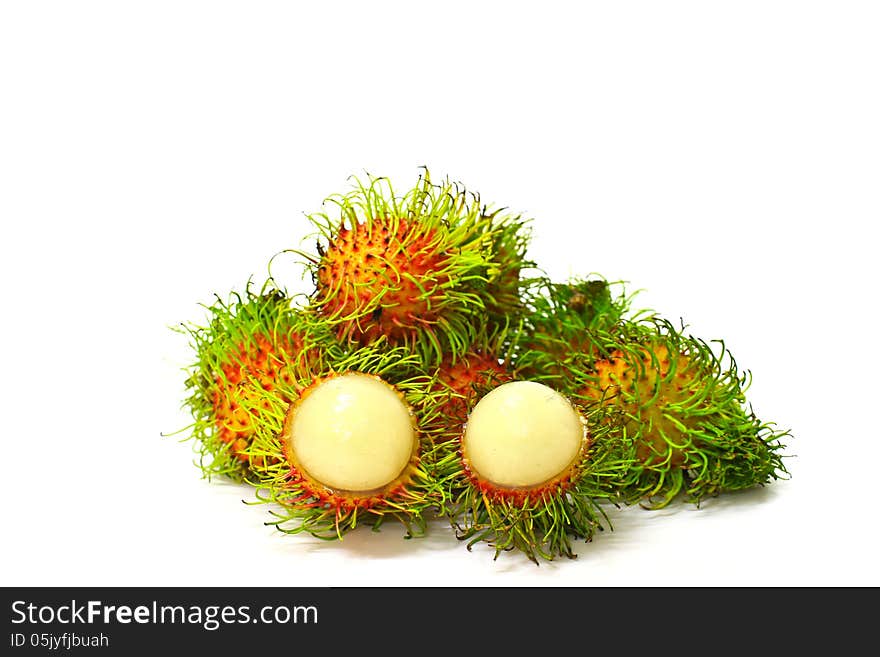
(721, 156)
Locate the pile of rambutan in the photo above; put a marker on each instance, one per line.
(434, 372)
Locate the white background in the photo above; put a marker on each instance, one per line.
(724, 157)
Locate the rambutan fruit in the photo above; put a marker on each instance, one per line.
(348, 449)
(465, 377)
(251, 345)
(529, 472)
(561, 319)
(415, 270)
(684, 408)
(459, 381)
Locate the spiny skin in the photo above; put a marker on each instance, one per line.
(306, 505)
(384, 259)
(685, 409)
(508, 281)
(561, 323)
(417, 270)
(464, 380)
(458, 381)
(262, 363)
(251, 344)
(645, 390)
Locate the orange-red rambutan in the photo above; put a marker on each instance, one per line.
(416, 270)
(250, 348)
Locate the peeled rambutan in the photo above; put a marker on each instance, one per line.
(348, 449)
(528, 472)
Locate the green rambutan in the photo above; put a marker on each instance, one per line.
(250, 346)
(683, 406)
(561, 320)
(415, 270)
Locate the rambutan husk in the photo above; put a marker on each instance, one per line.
(681, 402)
(416, 270)
(244, 353)
(560, 319)
(300, 502)
(542, 521)
(459, 381)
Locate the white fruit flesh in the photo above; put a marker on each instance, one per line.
(523, 434)
(353, 433)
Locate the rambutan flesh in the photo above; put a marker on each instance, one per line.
(351, 433)
(522, 435)
(249, 348)
(348, 449)
(684, 407)
(416, 270)
(529, 472)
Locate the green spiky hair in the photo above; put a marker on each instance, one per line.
(561, 319)
(683, 406)
(249, 342)
(541, 523)
(511, 273)
(417, 269)
(303, 505)
(562, 316)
